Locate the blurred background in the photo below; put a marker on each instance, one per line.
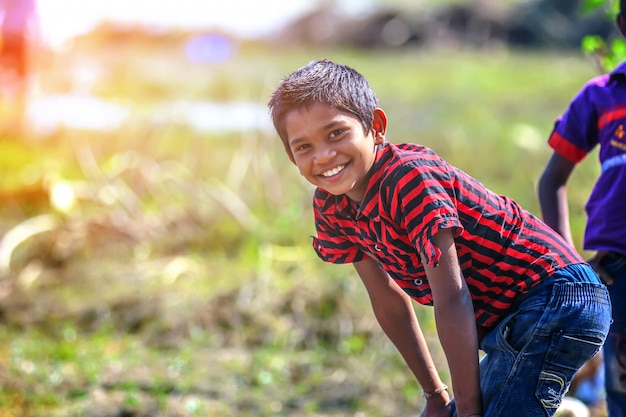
(155, 253)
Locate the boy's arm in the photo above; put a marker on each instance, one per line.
(552, 192)
(456, 325)
(394, 311)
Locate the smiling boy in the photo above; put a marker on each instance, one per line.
(417, 228)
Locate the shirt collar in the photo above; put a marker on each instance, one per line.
(369, 207)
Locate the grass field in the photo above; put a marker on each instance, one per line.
(178, 278)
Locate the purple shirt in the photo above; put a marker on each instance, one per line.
(597, 116)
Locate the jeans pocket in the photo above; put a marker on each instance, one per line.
(565, 356)
(518, 328)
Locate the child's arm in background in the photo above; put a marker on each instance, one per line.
(394, 311)
(552, 192)
(456, 325)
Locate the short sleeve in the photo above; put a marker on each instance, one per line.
(424, 206)
(575, 132)
(437, 220)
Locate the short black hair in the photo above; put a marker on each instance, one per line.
(326, 82)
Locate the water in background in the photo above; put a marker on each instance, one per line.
(86, 112)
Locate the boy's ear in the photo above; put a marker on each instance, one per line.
(379, 126)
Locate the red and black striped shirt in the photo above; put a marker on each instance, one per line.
(503, 249)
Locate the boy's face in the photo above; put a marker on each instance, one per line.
(330, 148)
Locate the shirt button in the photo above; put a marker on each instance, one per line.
(417, 282)
(376, 248)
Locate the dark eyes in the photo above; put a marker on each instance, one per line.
(336, 133)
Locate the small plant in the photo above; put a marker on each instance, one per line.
(606, 54)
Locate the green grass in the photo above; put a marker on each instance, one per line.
(183, 282)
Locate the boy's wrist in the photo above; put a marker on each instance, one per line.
(443, 389)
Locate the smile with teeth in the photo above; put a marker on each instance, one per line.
(333, 171)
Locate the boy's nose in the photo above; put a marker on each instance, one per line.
(324, 155)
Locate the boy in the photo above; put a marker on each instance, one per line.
(596, 116)
(417, 228)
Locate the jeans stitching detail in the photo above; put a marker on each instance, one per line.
(553, 399)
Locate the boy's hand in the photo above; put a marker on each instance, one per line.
(438, 407)
(596, 264)
(439, 411)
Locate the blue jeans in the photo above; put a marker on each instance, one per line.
(532, 354)
(614, 350)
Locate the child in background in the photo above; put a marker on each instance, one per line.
(18, 19)
(417, 228)
(597, 116)
(19, 33)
